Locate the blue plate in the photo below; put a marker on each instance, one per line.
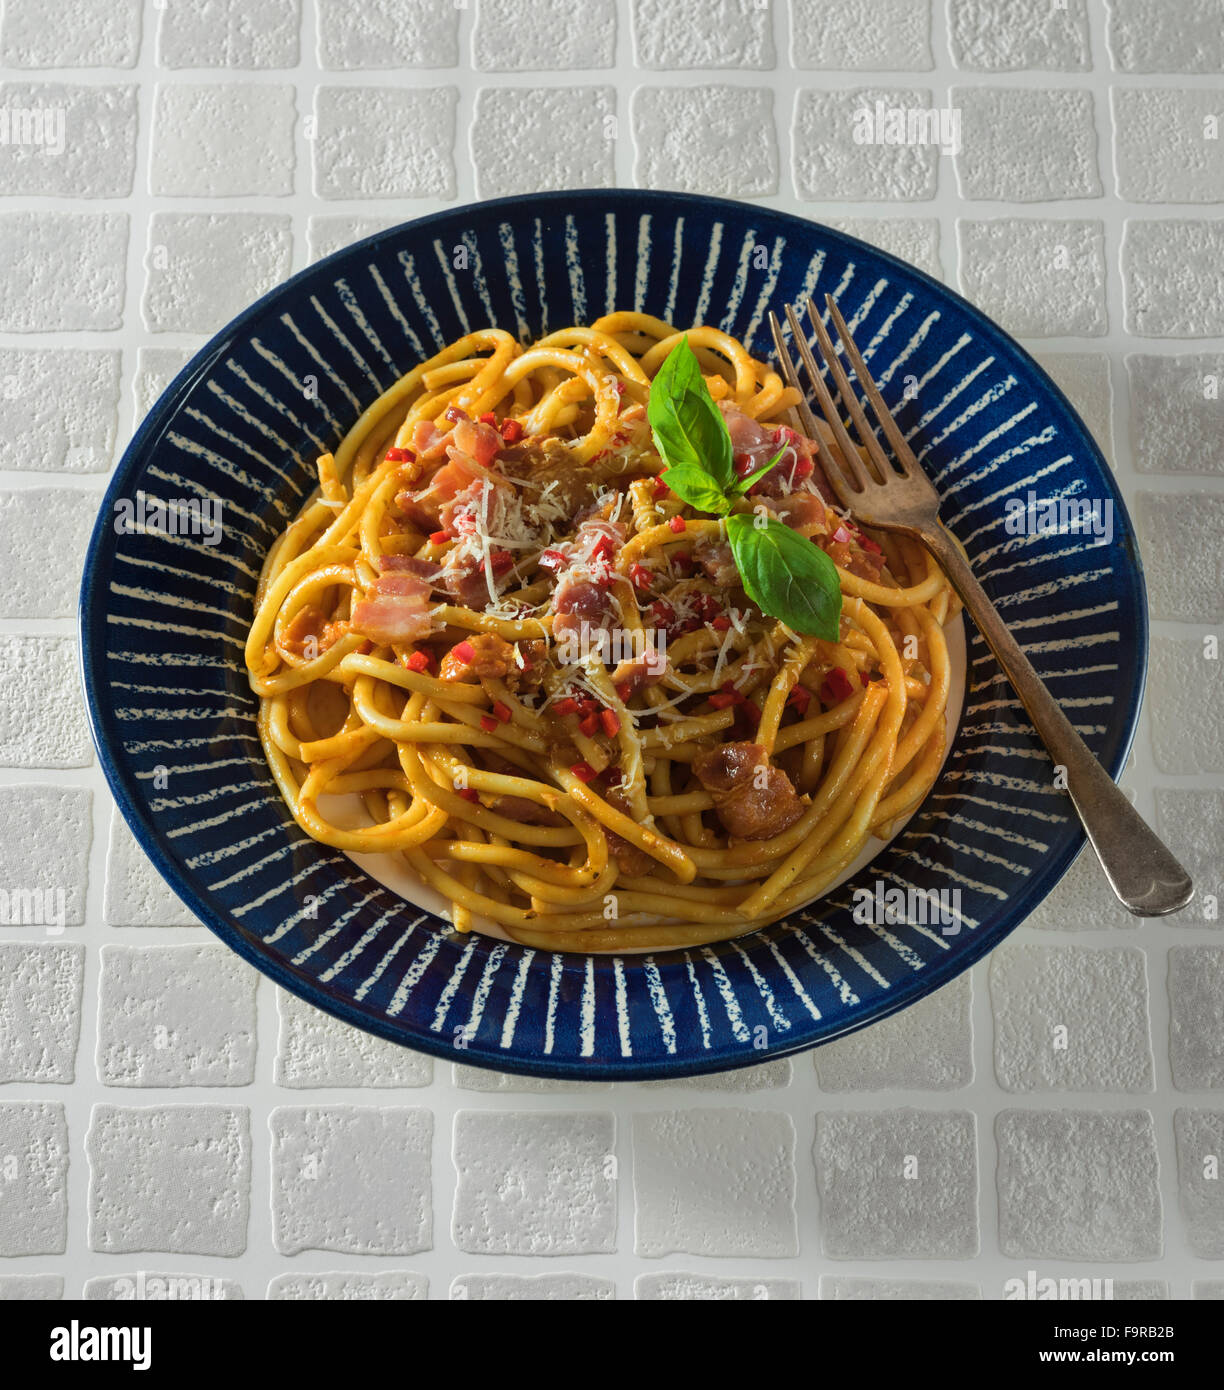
(163, 621)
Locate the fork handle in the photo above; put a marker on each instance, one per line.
(1142, 872)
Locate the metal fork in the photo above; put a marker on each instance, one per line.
(896, 495)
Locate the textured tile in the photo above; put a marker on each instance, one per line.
(1184, 695)
(40, 1011)
(384, 142)
(1172, 526)
(327, 234)
(222, 140)
(719, 140)
(388, 34)
(844, 1289)
(1177, 412)
(532, 1183)
(32, 588)
(156, 368)
(141, 1286)
(709, 1288)
(766, 1076)
(1191, 822)
(1173, 278)
(1139, 1290)
(175, 1178)
(42, 723)
(1007, 35)
(897, 1184)
(176, 1016)
(58, 409)
(350, 1287)
(543, 139)
(532, 1288)
(715, 1183)
(1208, 1288)
(34, 1168)
(833, 163)
(1200, 1143)
(1078, 1185)
(484, 1079)
(84, 146)
(872, 35)
(22, 1288)
(136, 895)
(204, 268)
(927, 1047)
(702, 34)
(541, 36)
(1071, 1018)
(90, 34)
(355, 1179)
(912, 239)
(1196, 1006)
(315, 1049)
(46, 832)
(64, 271)
(1022, 145)
(1082, 900)
(1040, 278)
(1166, 145)
(229, 34)
(1154, 36)
(1083, 377)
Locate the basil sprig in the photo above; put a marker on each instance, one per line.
(784, 574)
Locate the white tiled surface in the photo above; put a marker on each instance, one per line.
(161, 1110)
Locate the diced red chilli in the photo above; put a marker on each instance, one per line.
(604, 549)
(836, 687)
(583, 771)
(722, 699)
(441, 537)
(842, 535)
(512, 431)
(454, 414)
(868, 544)
(640, 577)
(470, 794)
(397, 455)
(683, 561)
(463, 651)
(502, 711)
(720, 624)
(552, 560)
(589, 706)
(678, 525)
(567, 705)
(751, 711)
(418, 661)
(488, 418)
(624, 692)
(661, 489)
(589, 725)
(660, 613)
(610, 721)
(488, 723)
(803, 468)
(799, 699)
(501, 560)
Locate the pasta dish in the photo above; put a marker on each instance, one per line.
(579, 629)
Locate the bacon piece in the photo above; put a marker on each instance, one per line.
(522, 808)
(632, 861)
(754, 444)
(409, 564)
(491, 657)
(731, 774)
(577, 602)
(718, 563)
(395, 609)
(311, 624)
(634, 674)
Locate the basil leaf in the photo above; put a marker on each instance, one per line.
(786, 576)
(742, 486)
(690, 432)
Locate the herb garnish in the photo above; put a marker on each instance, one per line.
(784, 574)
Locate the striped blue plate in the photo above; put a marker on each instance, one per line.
(163, 620)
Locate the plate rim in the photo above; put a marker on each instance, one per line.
(918, 984)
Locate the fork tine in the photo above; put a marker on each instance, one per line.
(806, 418)
(849, 399)
(901, 448)
(852, 464)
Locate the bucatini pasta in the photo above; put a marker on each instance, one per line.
(538, 667)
